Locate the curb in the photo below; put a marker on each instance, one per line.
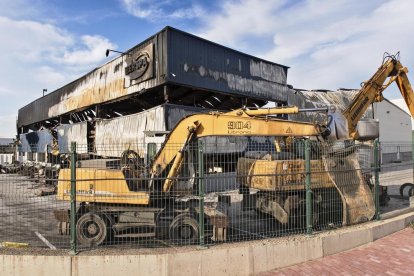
(246, 258)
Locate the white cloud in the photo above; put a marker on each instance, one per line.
(5, 91)
(19, 8)
(237, 21)
(48, 76)
(37, 55)
(162, 10)
(94, 47)
(185, 13)
(327, 44)
(30, 41)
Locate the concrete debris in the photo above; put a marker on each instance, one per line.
(45, 190)
(45, 174)
(9, 168)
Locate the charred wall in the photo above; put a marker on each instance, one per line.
(200, 63)
(319, 99)
(101, 85)
(171, 66)
(37, 141)
(131, 132)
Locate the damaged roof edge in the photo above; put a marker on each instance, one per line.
(219, 45)
(143, 42)
(66, 85)
(347, 90)
(109, 82)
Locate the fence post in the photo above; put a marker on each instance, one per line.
(201, 192)
(412, 167)
(309, 218)
(376, 178)
(73, 240)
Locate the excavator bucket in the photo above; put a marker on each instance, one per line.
(334, 169)
(344, 171)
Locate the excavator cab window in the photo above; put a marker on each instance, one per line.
(185, 178)
(151, 152)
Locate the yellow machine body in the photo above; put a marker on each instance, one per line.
(281, 175)
(239, 122)
(100, 185)
(110, 185)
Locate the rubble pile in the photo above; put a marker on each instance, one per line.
(44, 174)
(9, 168)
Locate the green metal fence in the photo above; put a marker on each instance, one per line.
(252, 189)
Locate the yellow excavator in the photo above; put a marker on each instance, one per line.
(371, 91)
(265, 175)
(130, 202)
(147, 204)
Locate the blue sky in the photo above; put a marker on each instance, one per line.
(327, 44)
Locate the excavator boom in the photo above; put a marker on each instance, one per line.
(372, 90)
(406, 90)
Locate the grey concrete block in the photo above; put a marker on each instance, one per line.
(119, 265)
(409, 219)
(186, 263)
(293, 252)
(260, 258)
(338, 242)
(387, 228)
(231, 261)
(27, 265)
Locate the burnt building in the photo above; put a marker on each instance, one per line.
(171, 67)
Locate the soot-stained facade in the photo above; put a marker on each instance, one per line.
(171, 66)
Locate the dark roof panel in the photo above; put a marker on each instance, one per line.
(169, 57)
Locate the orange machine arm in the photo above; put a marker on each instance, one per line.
(372, 90)
(235, 123)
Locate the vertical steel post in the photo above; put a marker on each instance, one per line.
(309, 218)
(376, 178)
(412, 156)
(201, 192)
(73, 240)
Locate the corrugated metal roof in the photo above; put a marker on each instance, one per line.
(316, 99)
(200, 63)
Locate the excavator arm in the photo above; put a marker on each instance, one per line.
(372, 90)
(239, 122)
